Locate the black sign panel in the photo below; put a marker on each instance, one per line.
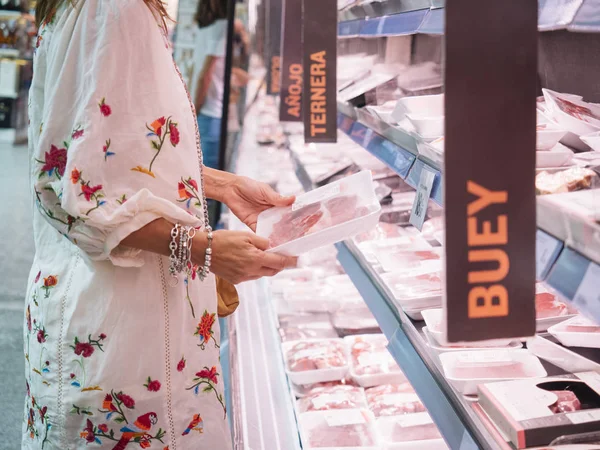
(290, 106)
(319, 27)
(274, 46)
(489, 172)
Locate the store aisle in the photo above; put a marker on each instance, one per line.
(16, 250)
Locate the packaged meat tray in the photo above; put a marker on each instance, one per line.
(577, 332)
(322, 217)
(434, 319)
(381, 232)
(393, 400)
(370, 362)
(572, 114)
(371, 249)
(291, 277)
(410, 432)
(300, 390)
(342, 285)
(306, 326)
(396, 260)
(468, 369)
(314, 296)
(316, 361)
(356, 319)
(549, 309)
(567, 180)
(334, 397)
(414, 290)
(338, 429)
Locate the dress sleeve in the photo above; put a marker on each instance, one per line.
(118, 146)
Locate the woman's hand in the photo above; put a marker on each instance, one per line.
(239, 256)
(247, 198)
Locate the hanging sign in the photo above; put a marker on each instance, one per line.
(274, 47)
(490, 169)
(319, 31)
(290, 105)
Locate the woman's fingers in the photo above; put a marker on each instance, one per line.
(278, 262)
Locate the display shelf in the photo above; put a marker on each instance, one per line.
(458, 422)
(401, 24)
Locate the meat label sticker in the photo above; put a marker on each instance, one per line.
(316, 196)
(398, 399)
(374, 359)
(345, 417)
(414, 420)
(587, 296)
(546, 249)
(324, 400)
(419, 209)
(584, 416)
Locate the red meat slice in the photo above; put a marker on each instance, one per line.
(316, 355)
(295, 224)
(567, 402)
(546, 305)
(336, 397)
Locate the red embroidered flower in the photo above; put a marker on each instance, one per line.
(43, 413)
(157, 126)
(75, 176)
(103, 427)
(193, 183)
(50, 281)
(209, 374)
(204, 329)
(126, 400)
(152, 385)
(174, 134)
(41, 336)
(88, 432)
(77, 134)
(56, 158)
(38, 42)
(102, 336)
(72, 376)
(181, 365)
(104, 108)
(37, 278)
(183, 192)
(145, 442)
(84, 349)
(88, 191)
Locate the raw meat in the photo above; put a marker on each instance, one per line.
(316, 355)
(547, 305)
(302, 391)
(396, 404)
(335, 397)
(375, 392)
(322, 429)
(357, 320)
(342, 208)
(578, 111)
(370, 356)
(582, 329)
(567, 402)
(295, 224)
(569, 180)
(427, 284)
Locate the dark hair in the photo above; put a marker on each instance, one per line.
(209, 11)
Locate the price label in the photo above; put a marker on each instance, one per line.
(414, 420)
(546, 252)
(587, 296)
(419, 209)
(345, 417)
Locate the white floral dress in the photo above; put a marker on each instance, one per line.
(116, 358)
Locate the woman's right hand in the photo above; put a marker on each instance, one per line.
(239, 256)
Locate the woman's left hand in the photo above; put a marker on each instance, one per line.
(247, 198)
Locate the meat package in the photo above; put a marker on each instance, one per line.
(337, 429)
(291, 277)
(393, 400)
(334, 397)
(568, 180)
(304, 390)
(415, 290)
(577, 332)
(411, 432)
(415, 261)
(315, 361)
(549, 309)
(306, 326)
(323, 216)
(535, 412)
(371, 249)
(313, 296)
(355, 319)
(572, 113)
(381, 232)
(467, 369)
(371, 363)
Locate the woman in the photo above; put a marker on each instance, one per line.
(122, 342)
(211, 41)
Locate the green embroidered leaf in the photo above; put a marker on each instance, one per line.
(155, 145)
(119, 420)
(207, 389)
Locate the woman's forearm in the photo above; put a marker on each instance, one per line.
(217, 183)
(204, 82)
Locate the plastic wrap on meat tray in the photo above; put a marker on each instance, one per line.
(356, 319)
(416, 290)
(316, 355)
(568, 180)
(411, 260)
(306, 326)
(407, 428)
(381, 232)
(577, 332)
(323, 216)
(371, 362)
(393, 400)
(303, 390)
(567, 402)
(335, 397)
(371, 249)
(353, 428)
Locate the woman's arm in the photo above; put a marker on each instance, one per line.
(204, 80)
(236, 256)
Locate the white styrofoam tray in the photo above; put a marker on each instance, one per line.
(314, 376)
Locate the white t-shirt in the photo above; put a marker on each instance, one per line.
(211, 41)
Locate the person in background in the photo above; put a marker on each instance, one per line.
(209, 66)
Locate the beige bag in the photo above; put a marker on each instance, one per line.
(227, 296)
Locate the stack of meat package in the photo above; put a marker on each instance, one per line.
(350, 392)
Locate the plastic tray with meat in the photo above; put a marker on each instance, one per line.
(371, 362)
(568, 180)
(353, 320)
(381, 232)
(547, 304)
(308, 330)
(412, 260)
(354, 428)
(577, 332)
(334, 397)
(315, 361)
(396, 404)
(303, 390)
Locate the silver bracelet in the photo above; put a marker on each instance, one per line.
(207, 256)
(181, 250)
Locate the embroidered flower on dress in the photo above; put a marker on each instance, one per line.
(126, 400)
(106, 151)
(174, 134)
(75, 175)
(104, 108)
(55, 161)
(209, 374)
(37, 277)
(181, 365)
(77, 133)
(152, 385)
(84, 349)
(103, 427)
(204, 329)
(41, 335)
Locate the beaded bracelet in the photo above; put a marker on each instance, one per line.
(181, 252)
